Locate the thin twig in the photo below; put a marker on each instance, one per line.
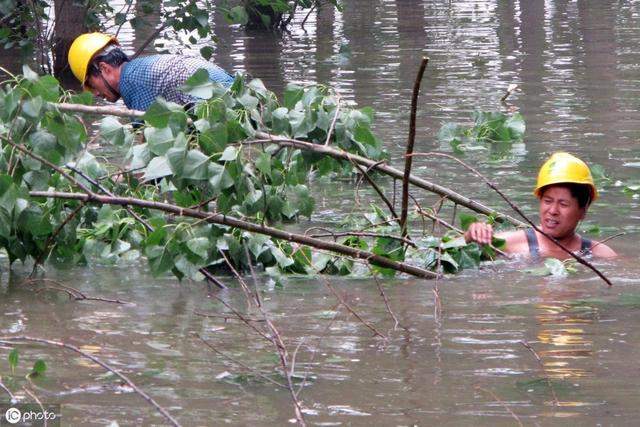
(504, 405)
(51, 165)
(510, 89)
(225, 318)
(361, 234)
(336, 308)
(352, 311)
(544, 371)
(243, 285)
(145, 396)
(237, 362)
(410, 142)
(53, 235)
(386, 301)
(243, 319)
(577, 257)
(6, 389)
(278, 343)
(144, 222)
(308, 14)
(151, 38)
(34, 397)
(452, 227)
(72, 292)
(585, 251)
(335, 118)
(380, 193)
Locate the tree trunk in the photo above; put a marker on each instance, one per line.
(69, 24)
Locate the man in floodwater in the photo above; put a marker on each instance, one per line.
(104, 69)
(565, 189)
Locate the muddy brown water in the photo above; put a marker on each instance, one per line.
(576, 63)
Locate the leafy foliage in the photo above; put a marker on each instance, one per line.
(488, 128)
(207, 158)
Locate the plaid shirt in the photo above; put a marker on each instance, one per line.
(142, 80)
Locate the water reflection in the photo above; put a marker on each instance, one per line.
(564, 342)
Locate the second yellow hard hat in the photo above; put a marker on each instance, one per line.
(563, 168)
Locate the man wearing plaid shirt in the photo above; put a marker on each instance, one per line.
(98, 62)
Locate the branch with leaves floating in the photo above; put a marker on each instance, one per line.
(221, 219)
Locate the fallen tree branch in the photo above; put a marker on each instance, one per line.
(144, 223)
(145, 396)
(217, 218)
(320, 149)
(577, 257)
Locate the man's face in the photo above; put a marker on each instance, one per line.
(99, 84)
(559, 212)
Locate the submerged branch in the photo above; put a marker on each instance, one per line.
(216, 218)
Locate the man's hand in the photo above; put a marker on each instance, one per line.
(479, 232)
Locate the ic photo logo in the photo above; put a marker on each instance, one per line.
(13, 415)
(31, 414)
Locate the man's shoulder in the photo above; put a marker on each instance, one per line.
(515, 241)
(601, 250)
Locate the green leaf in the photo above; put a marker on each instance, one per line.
(159, 140)
(196, 166)
(160, 259)
(229, 154)
(516, 125)
(32, 107)
(219, 177)
(238, 15)
(263, 164)
(166, 114)
(206, 52)
(189, 269)
(113, 132)
(158, 167)
(199, 84)
(13, 359)
(292, 95)
(304, 201)
(199, 246)
(466, 220)
(39, 367)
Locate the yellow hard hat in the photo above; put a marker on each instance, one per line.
(83, 49)
(563, 168)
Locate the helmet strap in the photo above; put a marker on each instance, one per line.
(108, 85)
